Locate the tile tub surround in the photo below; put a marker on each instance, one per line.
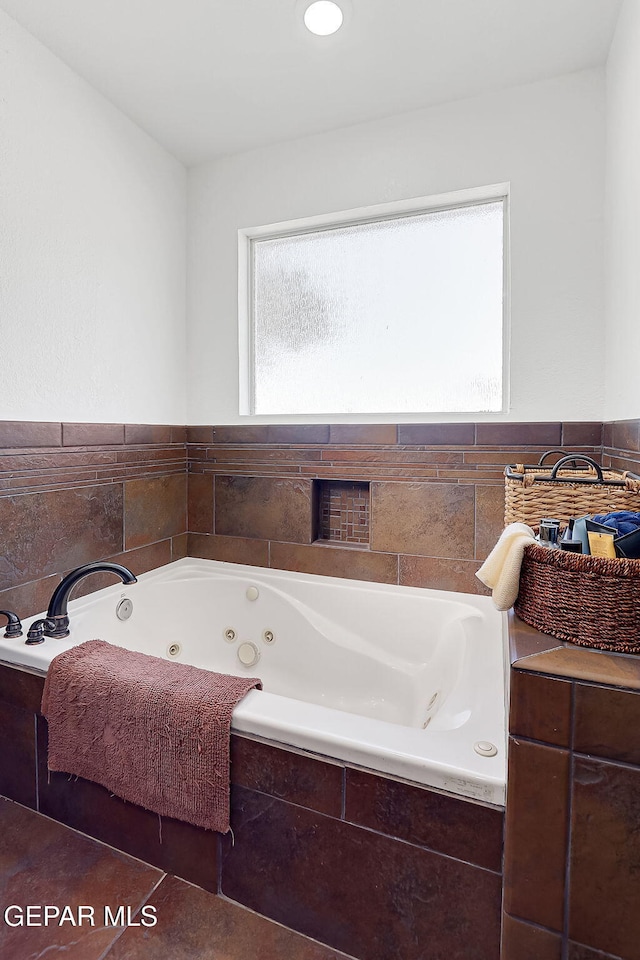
(75, 492)
(571, 843)
(71, 493)
(436, 494)
(369, 865)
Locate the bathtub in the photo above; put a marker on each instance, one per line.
(400, 680)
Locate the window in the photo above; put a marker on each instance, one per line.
(392, 312)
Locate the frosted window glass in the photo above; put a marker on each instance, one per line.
(400, 315)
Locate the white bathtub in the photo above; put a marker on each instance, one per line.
(401, 680)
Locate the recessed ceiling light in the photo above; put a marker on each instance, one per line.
(323, 17)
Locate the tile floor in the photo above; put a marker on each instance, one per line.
(43, 863)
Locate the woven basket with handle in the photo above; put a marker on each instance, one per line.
(567, 490)
(590, 601)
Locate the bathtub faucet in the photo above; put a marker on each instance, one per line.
(57, 621)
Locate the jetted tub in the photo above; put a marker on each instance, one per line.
(402, 680)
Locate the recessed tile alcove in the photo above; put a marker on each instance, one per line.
(343, 511)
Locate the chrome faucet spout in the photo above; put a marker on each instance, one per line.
(57, 612)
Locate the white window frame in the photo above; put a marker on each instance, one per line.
(381, 211)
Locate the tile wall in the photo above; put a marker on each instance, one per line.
(366, 864)
(621, 445)
(436, 494)
(74, 493)
(572, 850)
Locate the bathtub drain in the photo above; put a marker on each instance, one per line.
(124, 609)
(174, 650)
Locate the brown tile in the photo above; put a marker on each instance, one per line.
(45, 481)
(25, 433)
(577, 951)
(229, 549)
(194, 924)
(456, 575)
(92, 434)
(29, 598)
(197, 456)
(286, 457)
(617, 670)
(143, 559)
(298, 433)
(42, 862)
(267, 508)
(171, 845)
(501, 458)
(434, 433)
(354, 889)
(17, 758)
(536, 833)
(509, 434)
(522, 941)
(200, 503)
(605, 853)
(540, 708)
(155, 508)
(59, 530)
(180, 546)
(343, 512)
(525, 641)
(385, 433)
(581, 435)
(470, 474)
(361, 471)
(148, 456)
(199, 434)
(607, 434)
(429, 519)
(240, 434)
(147, 433)
(137, 561)
(334, 561)
(424, 459)
(606, 723)
(178, 434)
(461, 829)
(625, 435)
(626, 463)
(489, 518)
(288, 775)
(20, 689)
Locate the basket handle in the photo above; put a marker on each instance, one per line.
(548, 454)
(573, 458)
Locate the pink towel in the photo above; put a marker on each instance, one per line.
(152, 732)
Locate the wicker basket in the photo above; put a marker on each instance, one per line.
(590, 601)
(567, 490)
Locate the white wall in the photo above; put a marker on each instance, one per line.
(547, 139)
(92, 251)
(623, 217)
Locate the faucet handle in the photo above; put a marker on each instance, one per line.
(14, 627)
(38, 630)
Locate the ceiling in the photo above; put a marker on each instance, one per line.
(212, 77)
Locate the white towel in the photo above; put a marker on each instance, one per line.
(501, 569)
